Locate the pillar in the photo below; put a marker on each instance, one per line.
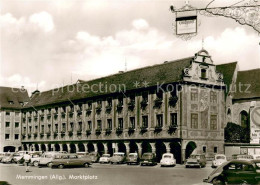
(28, 147)
(127, 146)
(86, 147)
(105, 148)
(95, 147)
(153, 147)
(77, 147)
(61, 148)
(33, 147)
(22, 147)
(47, 148)
(168, 147)
(68, 146)
(139, 145)
(52, 147)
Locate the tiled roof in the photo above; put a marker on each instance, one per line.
(167, 72)
(12, 97)
(228, 71)
(247, 79)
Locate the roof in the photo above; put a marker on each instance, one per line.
(247, 84)
(13, 98)
(167, 72)
(228, 71)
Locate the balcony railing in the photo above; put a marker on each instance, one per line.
(144, 103)
(88, 132)
(172, 128)
(98, 131)
(143, 129)
(131, 105)
(173, 101)
(157, 129)
(108, 108)
(119, 107)
(119, 131)
(131, 130)
(108, 131)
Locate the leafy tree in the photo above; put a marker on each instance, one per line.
(236, 134)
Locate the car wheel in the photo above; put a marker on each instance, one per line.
(61, 166)
(35, 163)
(218, 181)
(49, 165)
(86, 165)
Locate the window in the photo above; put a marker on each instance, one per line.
(145, 121)
(145, 96)
(89, 125)
(132, 122)
(63, 127)
(24, 130)
(30, 120)
(215, 149)
(120, 100)
(203, 73)
(11, 102)
(213, 122)
(159, 119)
(109, 123)
(16, 136)
(7, 136)
(80, 126)
(99, 103)
(36, 128)
(99, 124)
(42, 118)
(30, 129)
(7, 113)
(244, 119)
(120, 123)
(109, 102)
(42, 129)
(194, 95)
(204, 149)
(174, 119)
(7, 124)
(90, 105)
(56, 127)
(213, 97)
(16, 124)
(71, 126)
(194, 121)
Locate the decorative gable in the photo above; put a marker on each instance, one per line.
(202, 70)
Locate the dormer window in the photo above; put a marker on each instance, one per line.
(11, 102)
(203, 73)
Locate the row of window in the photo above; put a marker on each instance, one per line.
(195, 121)
(7, 136)
(159, 118)
(9, 113)
(215, 149)
(16, 124)
(194, 96)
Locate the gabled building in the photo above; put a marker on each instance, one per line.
(11, 102)
(177, 107)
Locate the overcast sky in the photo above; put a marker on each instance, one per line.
(51, 42)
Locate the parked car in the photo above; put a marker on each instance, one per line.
(218, 160)
(8, 158)
(94, 156)
(256, 156)
(196, 160)
(17, 157)
(105, 158)
(168, 160)
(35, 159)
(2, 154)
(82, 154)
(236, 172)
(148, 159)
(132, 159)
(47, 157)
(244, 157)
(70, 160)
(117, 158)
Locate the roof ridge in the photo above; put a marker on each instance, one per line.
(249, 70)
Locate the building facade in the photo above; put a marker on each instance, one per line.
(11, 102)
(176, 107)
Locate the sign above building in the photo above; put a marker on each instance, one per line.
(186, 25)
(255, 126)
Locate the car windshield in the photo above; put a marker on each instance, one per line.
(195, 157)
(220, 157)
(167, 156)
(132, 155)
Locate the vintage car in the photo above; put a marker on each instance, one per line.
(35, 158)
(218, 160)
(168, 160)
(47, 157)
(2, 154)
(118, 158)
(196, 160)
(244, 157)
(82, 154)
(94, 156)
(8, 158)
(105, 158)
(132, 159)
(70, 160)
(236, 172)
(148, 159)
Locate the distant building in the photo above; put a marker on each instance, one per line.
(177, 107)
(11, 102)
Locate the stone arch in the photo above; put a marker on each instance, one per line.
(190, 147)
(91, 147)
(146, 147)
(160, 150)
(100, 148)
(65, 148)
(176, 150)
(121, 147)
(9, 149)
(244, 119)
(57, 147)
(25, 147)
(36, 147)
(49, 147)
(109, 148)
(72, 148)
(43, 147)
(81, 147)
(133, 147)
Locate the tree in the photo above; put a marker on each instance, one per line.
(234, 133)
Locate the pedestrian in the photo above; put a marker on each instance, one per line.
(27, 159)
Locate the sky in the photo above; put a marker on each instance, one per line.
(46, 44)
